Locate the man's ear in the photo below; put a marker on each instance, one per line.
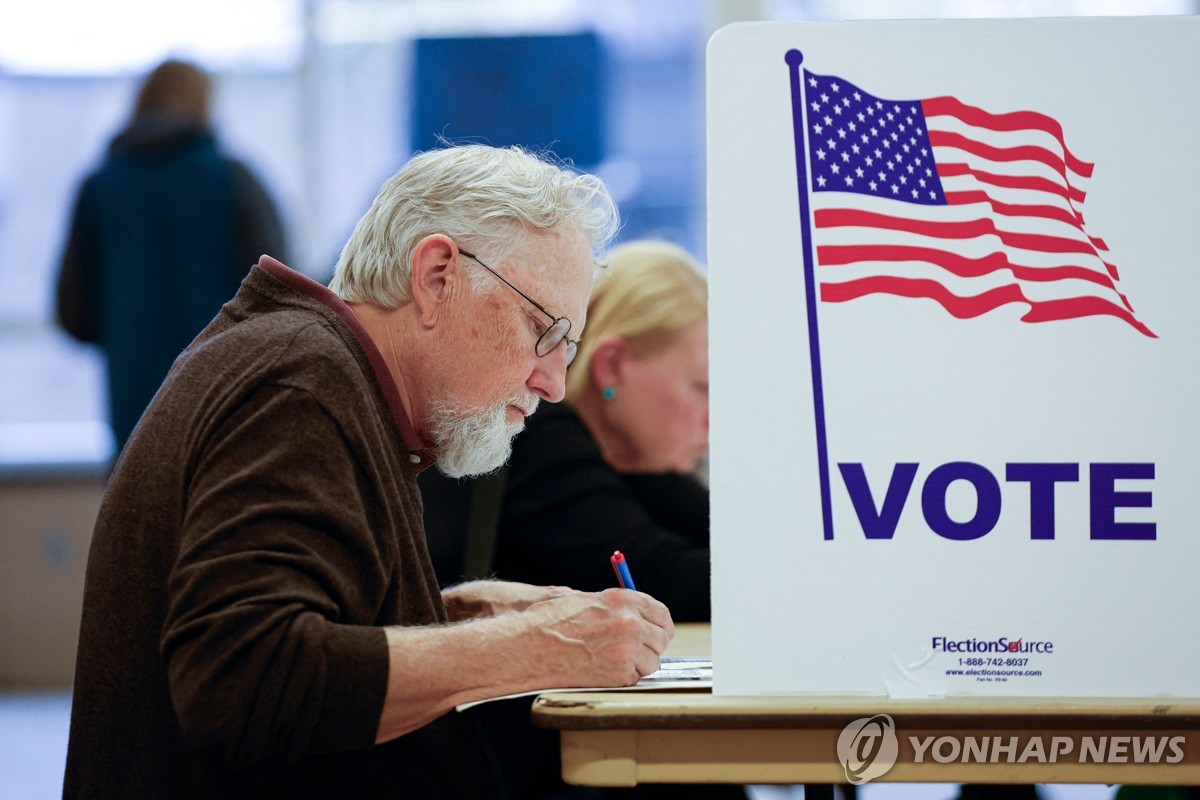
(608, 360)
(435, 276)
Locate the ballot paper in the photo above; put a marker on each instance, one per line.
(690, 671)
(673, 673)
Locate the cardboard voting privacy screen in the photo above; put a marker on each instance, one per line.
(954, 339)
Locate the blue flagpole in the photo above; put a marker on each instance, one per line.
(794, 58)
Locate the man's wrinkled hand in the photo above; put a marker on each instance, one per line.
(609, 638)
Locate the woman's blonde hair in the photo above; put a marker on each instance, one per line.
(650, 293)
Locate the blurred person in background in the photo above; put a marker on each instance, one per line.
(161, 235)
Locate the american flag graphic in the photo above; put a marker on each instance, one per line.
(939, 199)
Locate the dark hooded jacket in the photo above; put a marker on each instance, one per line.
(161, 235)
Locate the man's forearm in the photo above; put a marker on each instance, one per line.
(433, 669)
(487, 598)
(578, 639)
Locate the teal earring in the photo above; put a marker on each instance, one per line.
(608, 393)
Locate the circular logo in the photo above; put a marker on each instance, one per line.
(868, 748)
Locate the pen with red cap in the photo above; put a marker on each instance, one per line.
(622, 570)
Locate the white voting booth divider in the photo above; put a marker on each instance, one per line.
(954, 357)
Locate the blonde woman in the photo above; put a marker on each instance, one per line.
(610, 469)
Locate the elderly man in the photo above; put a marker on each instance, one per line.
(261, 618)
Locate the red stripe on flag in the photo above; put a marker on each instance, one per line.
(966, 229)
(961, 307)
(968, 307)
(1027, 152)
(830, 255)
(1071, 194)
(1075, 307)
(1012, 210)
(1072, 218)
(1012, 121)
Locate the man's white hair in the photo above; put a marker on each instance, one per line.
(484, 198)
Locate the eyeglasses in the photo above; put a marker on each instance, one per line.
(558, 329)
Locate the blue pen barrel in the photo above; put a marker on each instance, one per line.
(622, 570)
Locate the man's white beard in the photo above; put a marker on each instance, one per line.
(475, 442)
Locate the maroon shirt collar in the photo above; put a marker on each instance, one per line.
(419, 451)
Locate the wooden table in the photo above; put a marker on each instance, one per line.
(626, 738)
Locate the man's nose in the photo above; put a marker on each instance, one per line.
(549, 377)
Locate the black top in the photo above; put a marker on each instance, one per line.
(565, 511)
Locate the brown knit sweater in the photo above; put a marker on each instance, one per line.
(260, 526)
